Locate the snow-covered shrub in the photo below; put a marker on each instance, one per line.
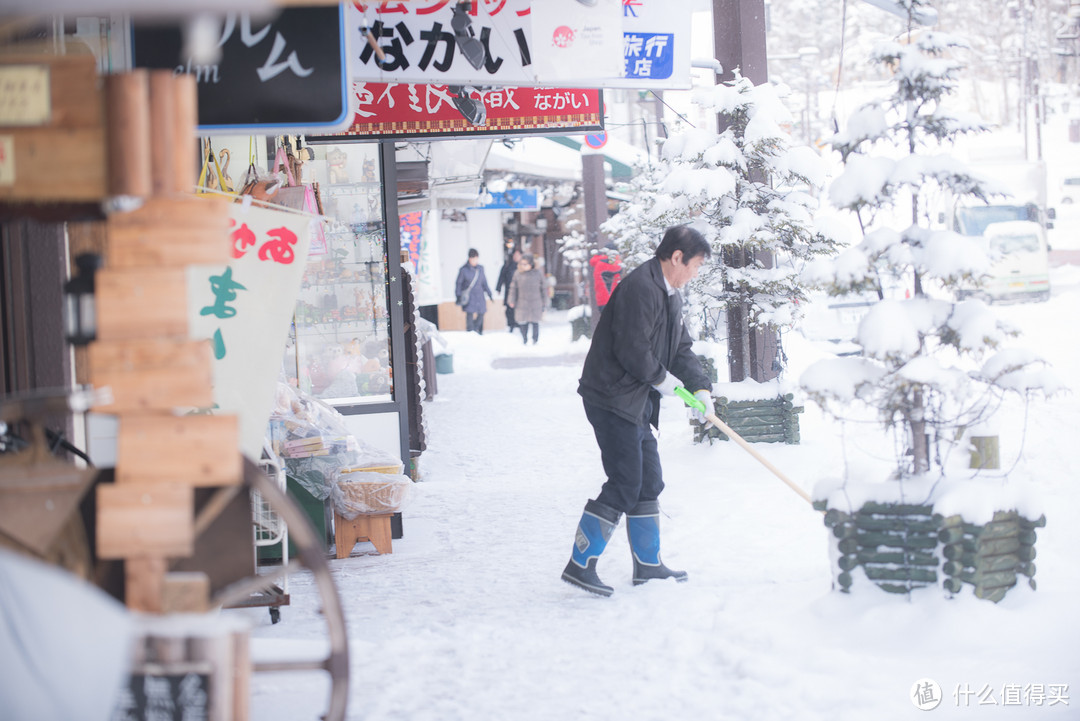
(930, 366)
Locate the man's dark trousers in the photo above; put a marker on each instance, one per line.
(629, 455)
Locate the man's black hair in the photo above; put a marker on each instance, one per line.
(684, 238)
(474, 253)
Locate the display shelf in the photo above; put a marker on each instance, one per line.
(340, 344)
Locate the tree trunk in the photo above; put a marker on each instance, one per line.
(915, 418)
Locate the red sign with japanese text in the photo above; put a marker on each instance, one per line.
(384, 110)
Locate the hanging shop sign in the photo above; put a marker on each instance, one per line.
(286, 74)
(392, 110)
(637, 44)
(512, 199)
(246, 308)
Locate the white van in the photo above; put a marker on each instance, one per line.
(1020, 262)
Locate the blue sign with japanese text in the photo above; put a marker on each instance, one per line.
(512, 199)
(649, 55)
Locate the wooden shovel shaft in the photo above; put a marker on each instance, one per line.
(726, 429)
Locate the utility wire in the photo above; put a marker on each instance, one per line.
(681, 116)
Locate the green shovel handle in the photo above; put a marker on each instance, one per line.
(689, 399)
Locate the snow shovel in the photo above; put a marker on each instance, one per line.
(689, 399)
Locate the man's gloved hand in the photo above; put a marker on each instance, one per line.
(705, 397)
(667, 386)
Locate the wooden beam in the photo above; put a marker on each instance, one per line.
(141, 303)
(195, 450)
(149, 375)
(145, 520)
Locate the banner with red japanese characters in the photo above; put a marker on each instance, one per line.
(246, 307)
(405, 110)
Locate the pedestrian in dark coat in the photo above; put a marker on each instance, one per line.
(503, 284)
(528, 294)
(640, 350)
(470, 288)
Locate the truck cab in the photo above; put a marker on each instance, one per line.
(1020, 261)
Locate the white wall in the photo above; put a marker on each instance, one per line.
(482, 230)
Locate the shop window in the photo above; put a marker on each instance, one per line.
(339, 348)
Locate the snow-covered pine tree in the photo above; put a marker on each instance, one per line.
(640, 223)
(920, 363)
(751, 193)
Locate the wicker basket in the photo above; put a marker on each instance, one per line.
(368, 492)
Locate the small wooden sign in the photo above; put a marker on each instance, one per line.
(166, 693)
(24, 95)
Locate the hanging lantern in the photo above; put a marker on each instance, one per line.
(80, 316)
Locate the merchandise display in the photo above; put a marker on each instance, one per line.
(340, 344)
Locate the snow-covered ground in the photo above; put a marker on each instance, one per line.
(468, 619)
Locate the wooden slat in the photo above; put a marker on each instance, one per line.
(153, 374)
(170, 232)
(197, 450)
(143, 303)
(57, 164)
(144, 586)
(140, 519)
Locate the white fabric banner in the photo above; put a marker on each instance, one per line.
(246, 309)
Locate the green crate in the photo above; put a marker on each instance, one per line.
(318, 512)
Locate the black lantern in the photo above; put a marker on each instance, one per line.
(80, 316)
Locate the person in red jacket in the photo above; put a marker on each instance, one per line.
(607, 271)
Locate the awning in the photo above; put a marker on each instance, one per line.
(535, 157)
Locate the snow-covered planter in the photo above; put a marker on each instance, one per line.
(763, 419)
(951, 540)
(580, 317)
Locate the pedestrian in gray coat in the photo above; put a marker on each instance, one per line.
(527, 297)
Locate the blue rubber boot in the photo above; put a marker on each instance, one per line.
(643, 528)
(594, 529)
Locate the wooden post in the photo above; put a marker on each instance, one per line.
(184, 135)
(127, 98)
(162, 118)
(144, 583)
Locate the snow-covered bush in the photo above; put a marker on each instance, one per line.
(931, 366)
(640, 223)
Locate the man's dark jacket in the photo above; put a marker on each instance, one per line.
(640, 335)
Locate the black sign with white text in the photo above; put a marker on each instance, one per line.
(275, 74)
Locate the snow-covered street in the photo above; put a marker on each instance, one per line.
(468, 619)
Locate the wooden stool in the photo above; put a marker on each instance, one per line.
(374, 528)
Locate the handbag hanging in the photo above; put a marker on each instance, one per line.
(463, 297)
